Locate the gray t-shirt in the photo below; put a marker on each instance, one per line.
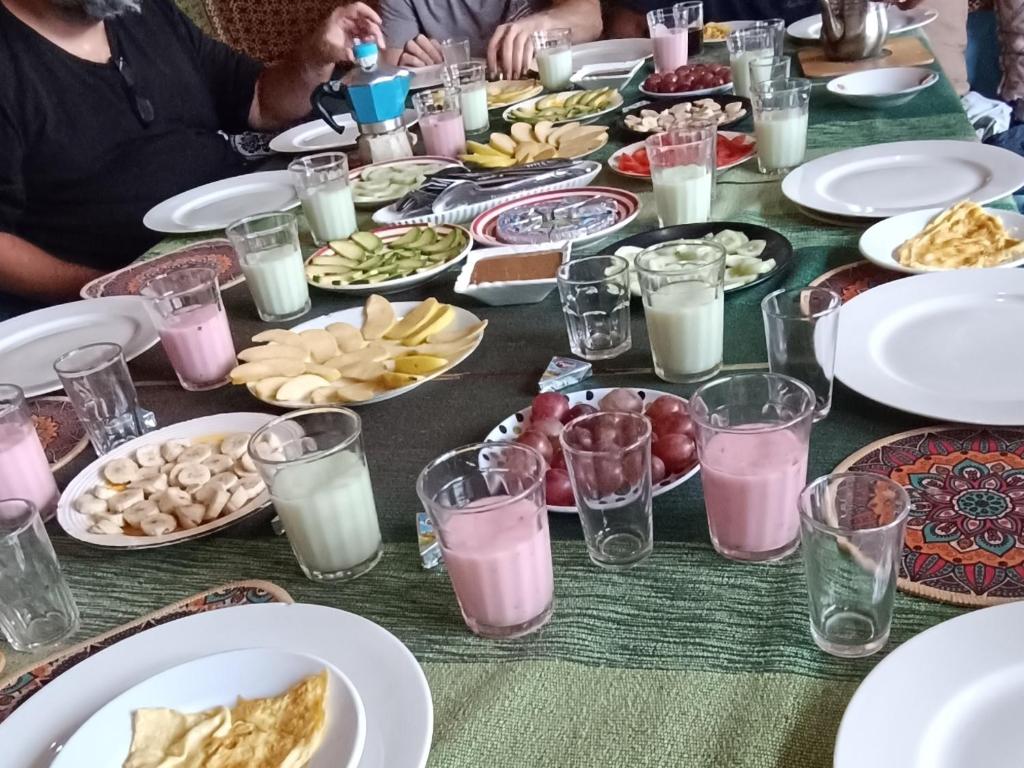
(442, 19)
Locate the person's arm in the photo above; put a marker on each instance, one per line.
(510, 50)
(32, 273)
(407, 45)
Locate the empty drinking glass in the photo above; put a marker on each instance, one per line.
(486, 502)
(268, 250)
(188, 314)
(746, 44)
(24, 471)
(314, 464)
(553, 50)
(441, 122)
(780, 123)
(851, 528)
(97, 381)
(455, 50)
(683, 173)
(669, 29)
(753, 432)
(36, 607)
(322, 183)
(595, 301)
(768, 68)
(778, 28)
(801, 328)
(470, 79)
(608, 457)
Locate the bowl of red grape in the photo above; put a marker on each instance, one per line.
(673, 452)
(688, 80)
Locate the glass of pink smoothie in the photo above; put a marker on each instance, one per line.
(486, 502)
(441, 122)
(753, 432)
(24, 471)
(189, 316)
(669, 29)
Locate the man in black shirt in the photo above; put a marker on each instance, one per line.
(108, 107)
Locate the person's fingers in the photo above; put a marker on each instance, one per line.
(363, 11)
(432, 49)
(493, 49)
(410, 60)
(415, 48)
(508, 54)
(528, 53)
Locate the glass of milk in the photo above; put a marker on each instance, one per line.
(683, 173)
(768, 68)
(746, 44)
(780, 123)
(322, 183)
(486, 502)
(683, 287)
(669, 29)
(441, 121)
(455, 50)
(595, 301)
(469, 79)
(268, 250)
(753, 432)
(314, 464)
(553, 49)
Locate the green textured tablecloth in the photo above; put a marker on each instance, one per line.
(688, 660)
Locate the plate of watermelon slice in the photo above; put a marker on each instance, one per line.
(732, 149)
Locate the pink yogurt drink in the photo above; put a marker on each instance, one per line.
(24, 471)
(443, 134)
(670, 47)
(751, 485)
(500, 565)
(198, 343)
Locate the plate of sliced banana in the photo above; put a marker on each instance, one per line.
(175, 484)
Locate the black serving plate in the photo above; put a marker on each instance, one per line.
(662, 104)
(777, 247)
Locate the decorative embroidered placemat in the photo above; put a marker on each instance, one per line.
(853, 279)
(16, 690)
(965, 535)
(61, 433)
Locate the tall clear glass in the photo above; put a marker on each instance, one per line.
(746, 44)
(268, 250)
(683, 288)
(99, 386)
(669, 29)
(322, 183)
(595, 301)
(768, 68)
(851, 527)
(24, 471)
(314, 464)
(470, 78)
(441, 122)
(608, 457)
(693, 13)
(780, 123)
(778, 29)
(683, 173)
(486, 502)
(553, 49)
(37, 608)
(189, 315)
(455, 50)
(801, 329)
(753, 432)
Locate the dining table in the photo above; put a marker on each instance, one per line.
(689, 659)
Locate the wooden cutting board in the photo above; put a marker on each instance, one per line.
(906, 51)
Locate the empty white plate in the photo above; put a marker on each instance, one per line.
(215, 681)
(884, 180)
(611, 51)
(943, 345)
(30, 343)
(880, 241)
(221, 203)
(317, 135)
(949, 698)
(809, 29)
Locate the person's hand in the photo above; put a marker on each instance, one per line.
(510, 51)
(421, 51)
(333, 40)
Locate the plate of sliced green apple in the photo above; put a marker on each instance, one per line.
(379, 184)
(388, 259)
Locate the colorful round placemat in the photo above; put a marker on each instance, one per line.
(965, 535)
(853, 279)
(59, 430)
(216, 253)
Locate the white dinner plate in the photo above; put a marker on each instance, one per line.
(809, 29)
(77, 525)
(950, 697)
(879, 243)
(393, 689)
(219, 681)
(942, 345)
(30, 343)
(611, 51)
(221, 203)
(317, 135)
(884, 180)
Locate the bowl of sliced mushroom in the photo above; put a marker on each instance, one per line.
(727, 109)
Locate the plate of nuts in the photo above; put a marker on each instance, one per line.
(727, 109)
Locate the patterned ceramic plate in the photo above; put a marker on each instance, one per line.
(512, 427)
(61, 433)
(853, 279)
(965, 534)
(210, 253)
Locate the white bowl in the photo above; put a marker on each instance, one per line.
(515, 292)
(880, 88)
